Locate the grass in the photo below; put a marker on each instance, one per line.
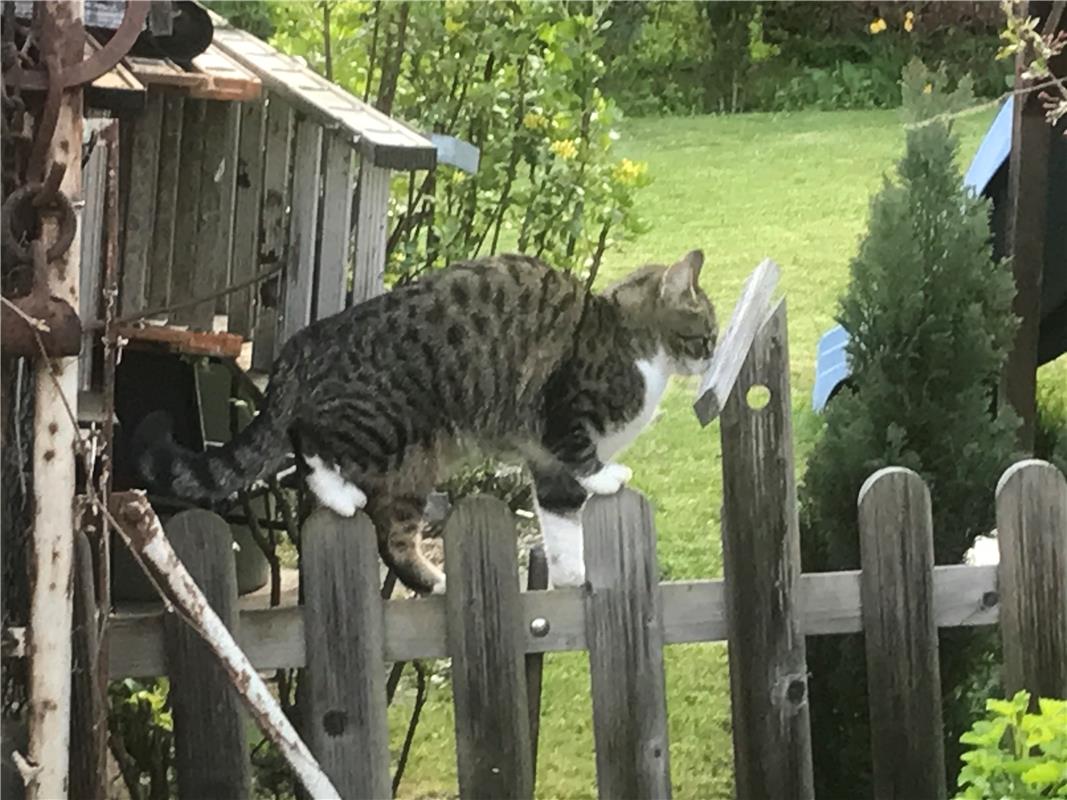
(796, 188)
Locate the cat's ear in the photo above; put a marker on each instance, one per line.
(681, 279)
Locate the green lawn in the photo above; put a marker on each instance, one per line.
(795, 188)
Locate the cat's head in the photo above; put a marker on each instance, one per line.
(670, 305)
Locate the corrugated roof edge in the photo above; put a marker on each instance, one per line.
(386, 143)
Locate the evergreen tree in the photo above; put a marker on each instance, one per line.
(929, 314)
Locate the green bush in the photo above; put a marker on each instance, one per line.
(929, 313)
(1015, 754)
(1050, 430)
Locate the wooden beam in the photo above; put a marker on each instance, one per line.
(693, 611)
(246, 216)
(303, 231)
(372, 232)
(179, 340)
(335, 249)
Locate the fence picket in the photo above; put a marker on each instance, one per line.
(210, 743)
(1032, 531)
(485, 640)
(624, 633)
(897, 555)
(761, 565)
(346, 707)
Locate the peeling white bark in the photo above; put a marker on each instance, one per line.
(141, 529)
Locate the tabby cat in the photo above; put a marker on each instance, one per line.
(504, 354)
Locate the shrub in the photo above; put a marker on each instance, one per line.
(929, 313)
(1015, 753)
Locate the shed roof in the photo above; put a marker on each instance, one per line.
(236, 66)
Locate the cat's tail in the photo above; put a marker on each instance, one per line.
(260, 450)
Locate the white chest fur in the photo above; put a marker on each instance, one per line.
(654, 371)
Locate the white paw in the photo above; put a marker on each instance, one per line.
(608, 480)
(984, 552)
(439, 586)
(337, 494)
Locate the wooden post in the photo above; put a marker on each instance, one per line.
(624, 634)
(59, 34)
(761, 565)
(1028, 231)
(486, 642)
(903, 676)
(1032, 531)
(210, 745)
(372, 219)
(345, 719)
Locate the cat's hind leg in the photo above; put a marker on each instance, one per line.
(399, 521)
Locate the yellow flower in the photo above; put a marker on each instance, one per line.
(628, 172)
(564, 148)
(928, 88)
(909, 21)
(877, 26)
(533, 120)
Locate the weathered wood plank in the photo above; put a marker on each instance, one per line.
(1032, 532)
(90, 276)
(184, 272)
(141, 206)
(761, 565)
(166, 205)
(225, 180)
(346, 713)
(693, 611)
(903, 673)
(335, 248)
(731, 351)
(372, 223)
(485, 639)
(210, 746)
(274, 240)
(303, 229)
(210, 245)
(624, 633)
(246, 215)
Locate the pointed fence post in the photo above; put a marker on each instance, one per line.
(761, 564)
(1032, 531)
(897, 590)
(486, 640)
(624, 633)
(210, 741)
(345, 725)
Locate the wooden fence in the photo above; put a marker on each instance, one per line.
(344, 634)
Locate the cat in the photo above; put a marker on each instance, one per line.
(504, 354)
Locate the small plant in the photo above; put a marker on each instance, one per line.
(1015, 754)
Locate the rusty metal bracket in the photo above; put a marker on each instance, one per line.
(98, 63)
(59, 204)
(39, 320)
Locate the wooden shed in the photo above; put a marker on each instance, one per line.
(243, 170)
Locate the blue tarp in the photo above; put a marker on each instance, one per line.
(831, 360)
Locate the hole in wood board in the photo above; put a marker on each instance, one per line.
(757, 396)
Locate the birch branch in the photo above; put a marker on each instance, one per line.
(144, 534)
